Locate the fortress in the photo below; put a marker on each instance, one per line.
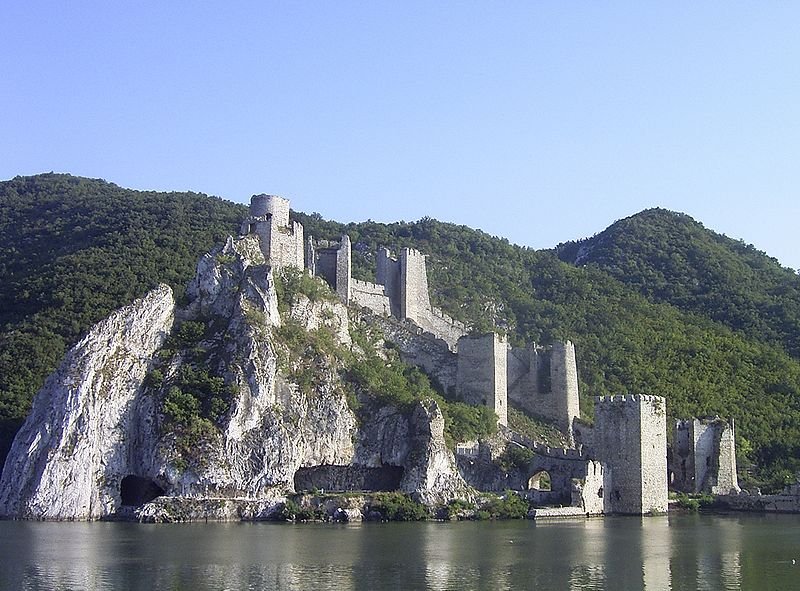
(620, 463)
(483, 369)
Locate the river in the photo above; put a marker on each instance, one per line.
(741, 551)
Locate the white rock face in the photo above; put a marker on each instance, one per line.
(94, 422)
(72, 452)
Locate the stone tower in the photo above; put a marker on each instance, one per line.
(481, 375)
(565, 404)
(703, 457)
(544, 381)
(415, 303)
(630, 437)
(281, 240)
(333, 262)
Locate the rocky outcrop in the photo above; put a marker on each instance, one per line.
(431, 475)
(100, 420)
(274, 427)
(77, 444)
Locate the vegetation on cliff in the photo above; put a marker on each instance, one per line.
(72, 250)
(640, 310)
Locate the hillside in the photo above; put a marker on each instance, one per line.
(74, 249)
(671, 258)
(77, 248)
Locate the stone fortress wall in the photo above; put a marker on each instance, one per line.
(622, 466)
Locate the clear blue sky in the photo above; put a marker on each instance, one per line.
(537, 121)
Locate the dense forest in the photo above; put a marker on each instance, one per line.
(71, 251)
(665, 314)
(671, 258)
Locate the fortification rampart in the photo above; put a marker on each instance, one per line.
(371, 296)
(421, 349)
(561, 453)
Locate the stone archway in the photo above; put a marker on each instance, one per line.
(541, 481)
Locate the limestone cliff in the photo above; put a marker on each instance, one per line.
(112, 412)
(68, 459)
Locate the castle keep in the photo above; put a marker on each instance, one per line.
(281, 240)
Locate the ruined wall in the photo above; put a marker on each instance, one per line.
(371, 296)
(387, 273)
(348, 478)
(630, 438)
(703, 456)
(544, 381)
(332, 261)
(727, 481)
(422, 350)
(590, 492)
(482, 371)
(324, 265)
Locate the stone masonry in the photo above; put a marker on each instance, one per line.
(703, 456)
(630, 437)
(544, 381)
(482, 373)
(281, 240)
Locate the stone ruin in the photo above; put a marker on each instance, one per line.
(620, 463)
(702, 458)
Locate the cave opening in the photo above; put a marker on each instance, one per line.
(136, 490)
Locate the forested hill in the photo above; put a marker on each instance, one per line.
(73, 249)
(671, 258)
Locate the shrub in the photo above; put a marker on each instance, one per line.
(397, 506)
(509, 506)
(515, 458)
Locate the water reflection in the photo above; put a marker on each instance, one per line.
(683, 552)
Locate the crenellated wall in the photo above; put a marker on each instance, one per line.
(371, 296)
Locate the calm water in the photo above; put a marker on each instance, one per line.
(680, 552)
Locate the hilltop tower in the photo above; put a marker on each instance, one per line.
(281, 240)
(630, 437)
(333, 262)
(481, 375)
(544, 381)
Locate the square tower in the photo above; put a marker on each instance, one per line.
(630, 437)
(481, 374)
